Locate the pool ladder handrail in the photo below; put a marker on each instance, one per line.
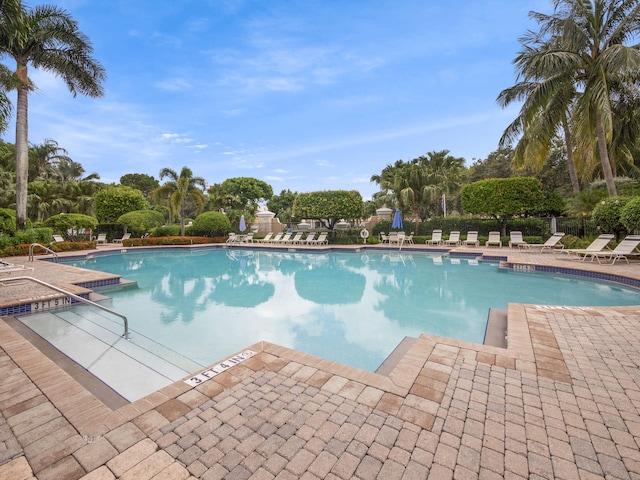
(75, 297)
(32, 247)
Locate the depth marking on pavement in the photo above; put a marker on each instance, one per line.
(219, 368)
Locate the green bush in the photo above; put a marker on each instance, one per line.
(607, 215)
(175, 240)
(210, 224)
(113, 202)
(140, 222)
(166, 231)
(7, 221)
(630, 215)
(65, 222)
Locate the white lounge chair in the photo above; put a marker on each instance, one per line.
(454, 238)
(102, 239)
(308, 239)
(124, 237)
(321, 240)
(624, 248)
(516, 240)
(284, 239)
(472, 239)
(494, 239)
(267, 238)
(58, 238)
(275, 239)
(436, 238)
(7, 268)
(553, 242)
(384, 238)
(296, 239)
(598, 245)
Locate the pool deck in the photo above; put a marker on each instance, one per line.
(561, 401)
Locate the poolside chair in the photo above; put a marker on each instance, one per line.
(624, 248)
(308, 239)
(248, 238)
(266, 238)
(231, 238)
(321, 240)
(393, 237)
(384, 238)
(515, 239)
(436, 238)
(296, 239)
(472, 239)
(124, 237)
(494, 239)
(102, 239)
(7, 268)
(553, 242)
(598, 245)
(409, 239)
(58, 238)
(284, 239)
(275, 239)
(454, 238)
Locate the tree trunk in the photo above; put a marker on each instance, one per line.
(22, 156)
(571, 165)
(604, 158)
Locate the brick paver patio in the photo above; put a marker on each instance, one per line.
(561, 401)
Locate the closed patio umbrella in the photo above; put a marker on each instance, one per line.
(397, 220)
(243, 225)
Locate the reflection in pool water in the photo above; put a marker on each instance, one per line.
(353, 308)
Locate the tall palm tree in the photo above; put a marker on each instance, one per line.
(548, 98)
(44, 37)
(585, 41)
(181, 189)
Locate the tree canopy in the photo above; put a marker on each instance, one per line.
(328, 206)
(502, 198)
(113, 202)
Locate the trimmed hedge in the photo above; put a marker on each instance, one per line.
(176, 240)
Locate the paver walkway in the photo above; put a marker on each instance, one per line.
(562, 401)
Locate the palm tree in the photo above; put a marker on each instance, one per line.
(584, 40)
(42, 158)
(548, 99)
(45, 37)
(181, 189)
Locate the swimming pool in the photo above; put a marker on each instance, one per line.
(353, 308)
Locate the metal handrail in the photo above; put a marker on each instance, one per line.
(32, 247)
(76, 297)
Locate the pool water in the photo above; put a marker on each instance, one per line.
(353, 308)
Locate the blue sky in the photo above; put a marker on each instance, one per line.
(303, 94)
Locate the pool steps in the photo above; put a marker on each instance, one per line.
(132, 367)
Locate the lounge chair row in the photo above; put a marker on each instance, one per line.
(516, 240)
(454, 239)
(599, 250)
(290, 239)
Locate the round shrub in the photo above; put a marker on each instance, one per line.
(7, 221)
(607, 213)
(630, 215)
(70, 222)
(211, 224)
(140, 222)
(112, 202)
